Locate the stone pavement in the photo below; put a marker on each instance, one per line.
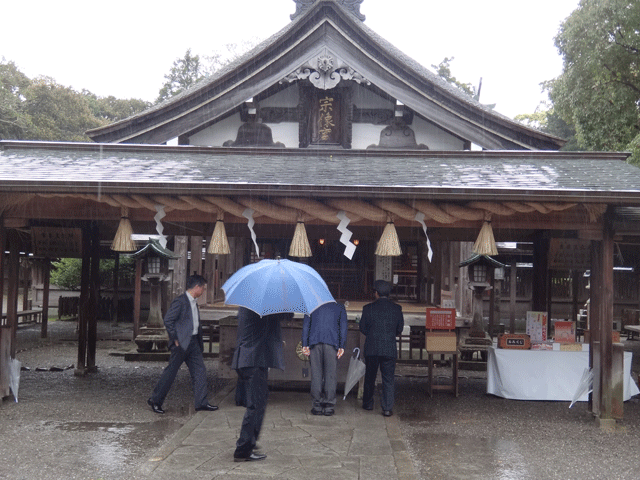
(352, 444)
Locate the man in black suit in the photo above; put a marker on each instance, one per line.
(381, 322)
(182, 322)
(258, 348)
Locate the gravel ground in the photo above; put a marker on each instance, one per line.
(99, 426)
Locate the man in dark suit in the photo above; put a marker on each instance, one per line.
(182, 322)
(381, 322)
(258, 348)
(324, 334)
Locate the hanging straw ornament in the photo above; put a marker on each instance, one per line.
(300, 244)
(219, 243)
(122, 242)
(485, 244)
(389, 244)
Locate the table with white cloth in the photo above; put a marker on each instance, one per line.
(543, 374)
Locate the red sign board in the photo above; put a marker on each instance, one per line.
(441, 318)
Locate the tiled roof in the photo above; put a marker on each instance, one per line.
(583, 176)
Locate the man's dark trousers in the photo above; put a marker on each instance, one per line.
(256, 393)
(192, 356)
(387, 367)
(323, 359)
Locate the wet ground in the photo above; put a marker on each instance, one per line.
(99, 426)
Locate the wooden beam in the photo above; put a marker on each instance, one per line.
(84, 298)
(94, 298)
(12, 290)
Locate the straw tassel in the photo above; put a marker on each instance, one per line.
(219, 243)
(300, 244)
(389, 244)
(122, 242)
(485, 244)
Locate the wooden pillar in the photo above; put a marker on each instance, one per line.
(12, 290)
(116, 288)
(94, 298)
(210, 262)
(179, 266)
(3, 247)
(83, 313)
(137, 297)
(540, 285)
(196, 256)
(513, 285)
(46, 281)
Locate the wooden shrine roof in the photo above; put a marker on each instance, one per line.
(326, 25)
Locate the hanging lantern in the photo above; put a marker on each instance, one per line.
(300, 244)
(485, 244)
(219, 242)
(389, 244)
(122, 242)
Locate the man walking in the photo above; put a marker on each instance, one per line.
(324, 334)
(381, 322)
(182, 322)
(258, 348)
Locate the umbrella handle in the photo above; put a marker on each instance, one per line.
(358, 353)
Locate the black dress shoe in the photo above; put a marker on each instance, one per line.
(327, 413)
(254, 457)
(155, 407)
(367, 408)
(387, 413)
(207, 408)
(316, 412)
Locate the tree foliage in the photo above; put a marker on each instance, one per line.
(41, 109)
(66, 273)
(443, 70)
(598, 92)
(190, 69)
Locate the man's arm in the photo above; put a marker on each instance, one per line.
(170, 319)
(306, 328)
(400, 324)
(365, 321)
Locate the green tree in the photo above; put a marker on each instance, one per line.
(66, 272)
(111, 109)
(184, 73)
(598, 92)
(13, 87)
(190, 69)
(443, 70)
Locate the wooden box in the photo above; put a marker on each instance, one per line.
(441, 342)
(517, 341)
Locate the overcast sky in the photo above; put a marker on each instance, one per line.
(124, 48)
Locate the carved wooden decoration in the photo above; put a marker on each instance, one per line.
(325, 71)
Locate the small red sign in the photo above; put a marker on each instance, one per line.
(441, 318)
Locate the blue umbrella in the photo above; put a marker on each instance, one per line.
(277, 286)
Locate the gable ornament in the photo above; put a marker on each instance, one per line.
(325, 72)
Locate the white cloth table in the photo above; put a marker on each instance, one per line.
(543, 374)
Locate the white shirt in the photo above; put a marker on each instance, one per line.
(194, 313)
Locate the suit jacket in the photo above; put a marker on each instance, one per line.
(381, 322)
(179, 322)
(326, 324)
(259, 341)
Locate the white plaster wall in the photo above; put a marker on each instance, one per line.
(434, 137)
(284, 98)
(365, 134)
(217, 134)
(285, 132)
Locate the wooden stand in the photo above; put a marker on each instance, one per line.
(453, 386)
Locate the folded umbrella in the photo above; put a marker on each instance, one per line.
(354, 373)
(277, 286)
(585, 386)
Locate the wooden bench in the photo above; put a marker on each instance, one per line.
(26, 316)
(632, 331)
